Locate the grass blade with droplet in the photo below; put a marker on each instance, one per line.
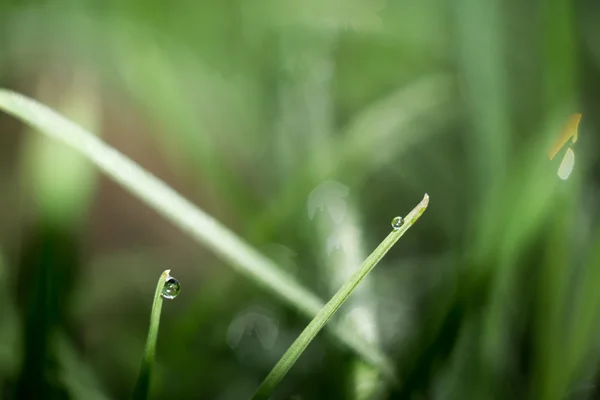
(294, 352)
(142, 387)
(199, 225)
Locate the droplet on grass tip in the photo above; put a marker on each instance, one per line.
(397, 223)
(171, 288)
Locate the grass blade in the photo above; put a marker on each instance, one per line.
(314, 327)
(142, 387)
(199, 225)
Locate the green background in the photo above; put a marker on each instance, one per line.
(250, 109)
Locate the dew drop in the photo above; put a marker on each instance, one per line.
(171, 288)
(397, 222)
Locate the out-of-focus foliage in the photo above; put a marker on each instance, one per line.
(305, 126)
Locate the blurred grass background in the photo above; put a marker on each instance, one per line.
(305, 127)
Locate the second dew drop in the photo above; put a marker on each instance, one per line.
(397, 223)
(171, 288)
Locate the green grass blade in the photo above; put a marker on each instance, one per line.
(314, 327)
(142, 387)
(163, 199)
(199, 225)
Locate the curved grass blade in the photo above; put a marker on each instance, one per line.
(142, 387)
(294, 352)
(199, 225)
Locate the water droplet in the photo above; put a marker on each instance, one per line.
(397, 222)
(171, 288)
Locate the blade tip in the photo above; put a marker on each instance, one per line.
(425, 201)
